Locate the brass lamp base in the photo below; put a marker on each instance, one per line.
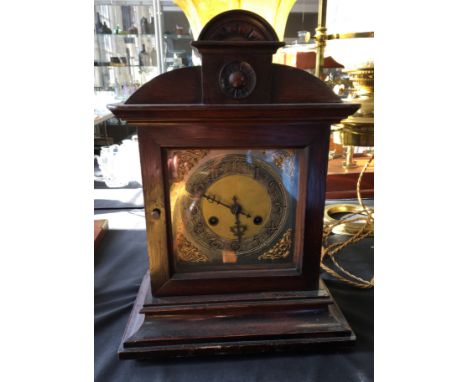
(346, 228)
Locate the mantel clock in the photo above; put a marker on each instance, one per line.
(234, 162)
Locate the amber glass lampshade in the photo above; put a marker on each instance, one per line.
(199, 12)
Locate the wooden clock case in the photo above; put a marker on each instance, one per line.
(271, 106)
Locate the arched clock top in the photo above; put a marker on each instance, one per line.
(236, 48)
(180, 86)
(183, 86)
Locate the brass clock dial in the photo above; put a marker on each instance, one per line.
(232, 199)
(233, 208)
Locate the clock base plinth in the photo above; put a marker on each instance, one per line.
(275, 322)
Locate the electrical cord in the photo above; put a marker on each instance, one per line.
(366, 217)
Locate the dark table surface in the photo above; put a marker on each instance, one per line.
(121, 262)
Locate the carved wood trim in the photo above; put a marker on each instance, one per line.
(238, 25)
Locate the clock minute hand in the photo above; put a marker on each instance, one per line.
(213, 199)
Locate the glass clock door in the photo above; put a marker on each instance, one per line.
(234, 209)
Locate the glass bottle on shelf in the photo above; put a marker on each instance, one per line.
(98, 24)
(144, 57)
(101, 27)
(151, 26)
(133, 29)
(144, 25)
(131, 50)
(154, 58)
(106, 29)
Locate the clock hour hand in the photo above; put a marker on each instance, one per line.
(236, 208)
(238, 229)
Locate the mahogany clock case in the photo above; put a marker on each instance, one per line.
(302, 276)
(240, 308)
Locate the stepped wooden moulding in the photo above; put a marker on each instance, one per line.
(234, 161)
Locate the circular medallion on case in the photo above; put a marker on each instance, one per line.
(237, 79)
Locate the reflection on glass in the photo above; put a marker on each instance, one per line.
(233, 208)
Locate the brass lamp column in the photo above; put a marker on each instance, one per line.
(320, 37)
(358, 129)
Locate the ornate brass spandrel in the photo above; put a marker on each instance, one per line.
(184, 161)
(284, 159)
(187, 252)
(281, 249)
